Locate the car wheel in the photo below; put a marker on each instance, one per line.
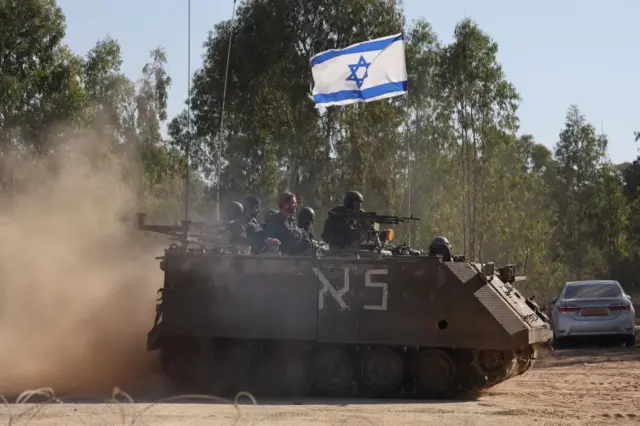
(559, 343)
(630, 341)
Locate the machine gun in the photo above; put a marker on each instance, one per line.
(372, 217)
(368, 225)
(183, 232)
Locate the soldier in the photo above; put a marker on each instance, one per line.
(283, 227)
(441, 246)
(252, 206)
(340, 233)
(253, 229)
(306, 217)
(235, 231)
(234, 211)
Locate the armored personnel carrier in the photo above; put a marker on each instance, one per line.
(374, 322)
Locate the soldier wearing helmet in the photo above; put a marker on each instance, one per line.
(441, 246)
(283, 226)
(306, 216)
(340, 233)
(353, 200)
(235, 230)
(253, 229)
(234, 211)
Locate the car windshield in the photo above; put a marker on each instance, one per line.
(592, 291)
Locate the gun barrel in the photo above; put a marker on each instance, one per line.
(161, 229)
(373, 216)
(409, 218)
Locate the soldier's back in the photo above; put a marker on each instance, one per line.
(337, 230)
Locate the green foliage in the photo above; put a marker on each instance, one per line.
(39, 86)
(49, 95)
(449, 152)
(578, 155)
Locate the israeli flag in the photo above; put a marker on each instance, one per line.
(363, 72)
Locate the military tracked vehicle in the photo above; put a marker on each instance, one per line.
(374, 322)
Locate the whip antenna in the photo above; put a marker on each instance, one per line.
(224, 97)
(408, 140)
(188, 144)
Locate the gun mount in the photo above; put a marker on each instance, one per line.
(179, 232)
(187, 232)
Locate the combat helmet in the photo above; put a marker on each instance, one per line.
(440, 246)
(306, 214)
(234, 209)
(351, 197)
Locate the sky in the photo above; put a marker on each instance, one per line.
(556, 53)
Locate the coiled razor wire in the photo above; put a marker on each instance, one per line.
(120, 398)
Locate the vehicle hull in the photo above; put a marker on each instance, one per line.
(341, 325)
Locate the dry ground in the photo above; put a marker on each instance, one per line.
(576, 386)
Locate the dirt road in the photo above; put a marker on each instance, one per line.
(585, 387)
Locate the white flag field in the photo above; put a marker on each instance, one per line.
(362, 72)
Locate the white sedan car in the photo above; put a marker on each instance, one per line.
(594, 308)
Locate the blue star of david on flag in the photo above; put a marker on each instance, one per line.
(354, 71)
(377, 67)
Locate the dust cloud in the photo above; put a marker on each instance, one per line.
(77, 284)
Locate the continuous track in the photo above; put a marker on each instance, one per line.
(225, 367)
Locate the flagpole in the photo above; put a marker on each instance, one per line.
(408, 171)
(408, 139)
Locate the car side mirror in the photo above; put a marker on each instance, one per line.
(554, 300)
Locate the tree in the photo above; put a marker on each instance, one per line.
(274, 137)
(39, 85)
(50, 96)
(451, 147)
(578, 154)
(482, 106)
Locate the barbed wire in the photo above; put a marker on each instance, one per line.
(30, 413)
(120, 399)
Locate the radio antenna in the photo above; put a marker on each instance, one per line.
(224, 98)
(188, 144)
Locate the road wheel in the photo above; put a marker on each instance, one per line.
(332, 370)
(434, 374)
(381, 370)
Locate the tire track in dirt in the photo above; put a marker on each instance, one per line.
(589, 385)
